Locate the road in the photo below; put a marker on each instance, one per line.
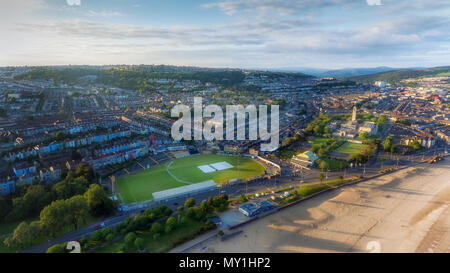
(405, 211)
(371, 168)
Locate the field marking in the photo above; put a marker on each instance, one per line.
(140, 165)
(169, 156)
(174, 177)
(154, 160)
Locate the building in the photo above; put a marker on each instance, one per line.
(7, 186)
(253, 209)
(370, 127)
(305, 160)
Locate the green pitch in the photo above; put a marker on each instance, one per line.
(351, 148)
(140, 186)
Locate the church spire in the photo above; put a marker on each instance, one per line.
(354, 114)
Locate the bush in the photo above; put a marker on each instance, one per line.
(129, 239)
(139, 243)
(190, 202)
(109, 237)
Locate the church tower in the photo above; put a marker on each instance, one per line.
(354, 114)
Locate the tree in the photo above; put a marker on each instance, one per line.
(171, 222)
(98, 201)
(204, 206)
(323, 165)
(322, 152)
(190, 202)
(156, 228)
(66, 189)
(59, 248)
(288, 142)
(180, 208)
(298, 137)
(4, 207)
(32, 202)
(96, 236)
(321, 177)
(243, 198)
(387, 144)
(109, 237)
(78, 209)
(363, 136)
(61, 213)
(415, 145)
(129, 239)
(139, 243)
(24, 235)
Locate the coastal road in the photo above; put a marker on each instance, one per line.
(405, 211)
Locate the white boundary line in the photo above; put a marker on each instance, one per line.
(174, 177)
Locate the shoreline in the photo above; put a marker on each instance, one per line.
(404, 212)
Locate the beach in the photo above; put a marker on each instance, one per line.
(406, 211)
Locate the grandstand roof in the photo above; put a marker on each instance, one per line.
(175, 192)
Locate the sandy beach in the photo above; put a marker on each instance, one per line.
(407, 211)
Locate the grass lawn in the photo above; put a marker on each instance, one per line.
(140, 186)
(319, 140)
(334, 164)
(163, 243)
(351, 148)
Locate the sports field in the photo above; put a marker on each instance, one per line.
(351, 148)
(183, 171)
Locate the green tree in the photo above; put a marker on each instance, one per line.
(323, 165)
(321, 177)
(387, 144)
(4, 207)
(24, 235)
(171, 222)
(129, 239)
(190, 202)
(78, 209)
(59, 248)
(288, 142)
(204, 206)
(98, 201)
(243, 198)
(157, 228)
(415, 145)
(139, 243)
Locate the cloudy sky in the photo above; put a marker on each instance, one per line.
(226, 33)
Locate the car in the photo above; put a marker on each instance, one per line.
(97, 227)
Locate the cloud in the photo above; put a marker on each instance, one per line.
(73, 2)
(374, 3)
(283, 7)
(104, 13)
(310, 37)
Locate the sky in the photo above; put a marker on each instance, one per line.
(262, 34)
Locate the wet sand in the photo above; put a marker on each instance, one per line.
(407, 211)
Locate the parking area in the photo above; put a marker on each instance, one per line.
(231, 217)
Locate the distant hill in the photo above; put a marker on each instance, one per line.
(338, 73)
(351, 72)
(398, 75)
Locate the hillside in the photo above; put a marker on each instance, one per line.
(398, 75)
